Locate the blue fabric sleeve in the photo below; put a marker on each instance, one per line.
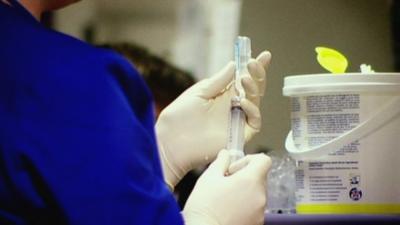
(77, 144)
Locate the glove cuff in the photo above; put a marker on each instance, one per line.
(171, 176)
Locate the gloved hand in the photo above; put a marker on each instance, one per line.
(193, 128)
(218, 199)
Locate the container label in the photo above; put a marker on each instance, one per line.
(316, 120)
(360, 177)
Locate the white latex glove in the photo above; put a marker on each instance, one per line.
(193, 128)
(237, 199)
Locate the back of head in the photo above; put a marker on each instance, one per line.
(165, 80)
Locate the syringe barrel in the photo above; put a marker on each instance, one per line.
(236, 137)
(238, 117)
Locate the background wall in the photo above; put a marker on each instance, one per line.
(148, 23)
(290, 29)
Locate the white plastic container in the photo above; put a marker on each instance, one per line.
(346, 139)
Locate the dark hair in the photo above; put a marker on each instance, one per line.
(166, 81)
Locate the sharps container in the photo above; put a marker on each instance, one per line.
(345, 138)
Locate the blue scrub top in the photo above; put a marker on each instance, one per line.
(77, 143)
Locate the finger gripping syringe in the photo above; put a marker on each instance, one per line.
(237, 117)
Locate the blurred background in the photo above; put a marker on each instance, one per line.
(198, 36)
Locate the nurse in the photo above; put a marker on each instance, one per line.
(78, 143)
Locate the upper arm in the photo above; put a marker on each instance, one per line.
(84, 149)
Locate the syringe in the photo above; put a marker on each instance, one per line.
(238, 118)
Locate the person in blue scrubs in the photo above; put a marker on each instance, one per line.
(77, 137)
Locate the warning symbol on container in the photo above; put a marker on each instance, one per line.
(355, 194)
(355, 180)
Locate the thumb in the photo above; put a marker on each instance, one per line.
(218, 82)
(264, 58)
(238, 165)
(220, 164)
(258, 166)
